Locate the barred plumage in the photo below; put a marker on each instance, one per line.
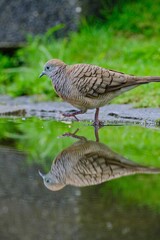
(87, 86)
(87, 163)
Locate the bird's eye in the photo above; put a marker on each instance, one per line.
(47, 180)
(47, 67)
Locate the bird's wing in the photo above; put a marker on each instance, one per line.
(93, 81)
(95, 168)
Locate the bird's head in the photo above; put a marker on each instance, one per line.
(51, 183)
(52, 66)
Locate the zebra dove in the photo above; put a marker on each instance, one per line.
(87, 86)
(86, 163)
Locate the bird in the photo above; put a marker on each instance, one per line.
(87, 86)
(87, 162)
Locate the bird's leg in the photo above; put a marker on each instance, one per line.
(73, 114)
(96, 128)
(73, 135)
(68, 134)
(97, 122)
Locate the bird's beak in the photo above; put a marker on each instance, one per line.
(41, 174)
(42, 74)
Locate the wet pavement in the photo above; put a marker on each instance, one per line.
(109, 114)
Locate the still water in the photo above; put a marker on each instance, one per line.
(126, 207)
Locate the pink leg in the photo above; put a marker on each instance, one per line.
(73, 135)
(73, 114)
(96, 133)
(97, 124)
(96, 120)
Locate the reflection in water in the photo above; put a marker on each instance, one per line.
(29, 211)
(87, 163)
(128, 208)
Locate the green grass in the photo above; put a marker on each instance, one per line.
(127, 41)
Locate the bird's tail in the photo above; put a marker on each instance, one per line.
(148, 79)
(138, 168)
(148, 170)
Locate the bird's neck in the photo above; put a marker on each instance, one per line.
(58, 78)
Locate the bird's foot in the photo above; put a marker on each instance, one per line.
(73, 135)
(68, 134)
(72, 113)
(98, 124)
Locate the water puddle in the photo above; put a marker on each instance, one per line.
(66, 203)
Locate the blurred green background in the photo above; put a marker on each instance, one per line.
(124, 36)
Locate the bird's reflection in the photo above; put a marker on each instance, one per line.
(87, 163)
